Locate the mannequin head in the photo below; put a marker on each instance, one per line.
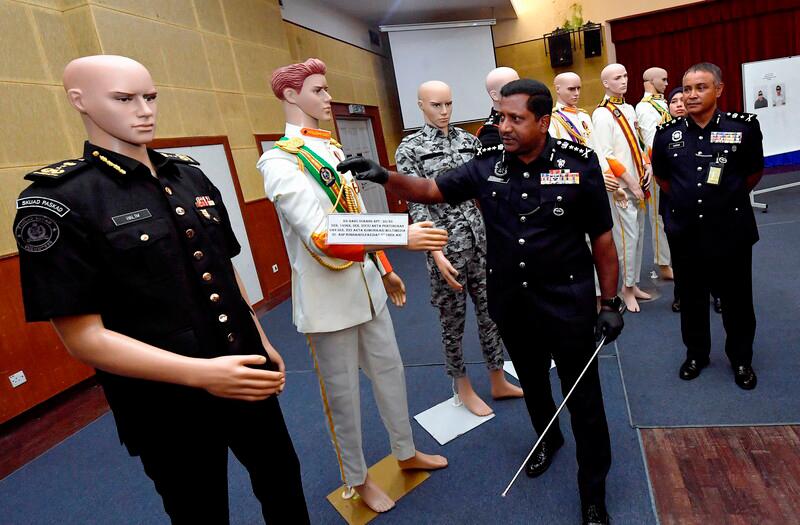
(116, 99)
(496, 79)
(615, 80)
(304, 92)
(655, 80)
(675, 101)
(435, 100)
(568, 88)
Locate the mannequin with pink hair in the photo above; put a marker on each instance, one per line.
(339, 292)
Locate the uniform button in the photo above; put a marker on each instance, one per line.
(559, 198)
(571, 277)
(524, 195)
(521, 242)
(524, 284)
(144, 237)
(198, 255)
(699, 168)
(189, 233)
(736, 209)
(179, 210)
(523, 219)
(490, 271)
(526, 175)
(494, 194)
(206, 277)
(522, 265)
(699, 184)
(699, 201)
(231, 337)
(700, 137)
(700, 216)
(168, 190)
(223, 318)
(674, 154)
(214, 297)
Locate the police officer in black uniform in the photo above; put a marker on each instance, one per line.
(131, 261)
(707, 162)
(540, 197)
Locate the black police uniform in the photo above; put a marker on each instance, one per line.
(541, 283)
(710, 224)
(152, 256)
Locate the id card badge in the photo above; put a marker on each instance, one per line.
(714, 173)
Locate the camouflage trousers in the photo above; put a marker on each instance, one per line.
(452, 305)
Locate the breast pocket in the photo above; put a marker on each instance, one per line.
(141, 251)
(497, 200)
(558, 203)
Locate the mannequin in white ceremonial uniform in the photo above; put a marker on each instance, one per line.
(339, 292)
(617, 140)
(651, 112)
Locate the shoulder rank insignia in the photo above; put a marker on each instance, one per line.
(742, 117)
(488, 150)
(670, 123)
(291, 145)
(576, 150)
(58, 170)
(180, 157)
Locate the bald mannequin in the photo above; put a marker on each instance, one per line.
(568, 88)
(112, 311)
(435, 99)
(496, 79)
(652, 111)
(617, 139)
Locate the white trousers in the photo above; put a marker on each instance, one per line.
(628, 236)
(661, 253)
(373, 347)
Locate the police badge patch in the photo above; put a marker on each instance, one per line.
(36, 233)
(327, 176)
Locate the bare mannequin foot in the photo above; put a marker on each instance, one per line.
(666, 272)
(422, 461)
(374, 497)
(471, 400)
(630, 299)
(641, 294)
(501, 388)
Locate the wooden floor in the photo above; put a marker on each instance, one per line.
(725, 475)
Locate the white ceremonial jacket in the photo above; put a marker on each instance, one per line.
(323, 300)
(582, 121)
(649, 117)
(609, 140)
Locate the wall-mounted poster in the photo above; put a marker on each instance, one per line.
(770, 91)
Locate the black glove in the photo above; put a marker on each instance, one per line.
(609, 322)
(364, 169)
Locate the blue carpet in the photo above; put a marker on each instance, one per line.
(90, 479)
(651, 350)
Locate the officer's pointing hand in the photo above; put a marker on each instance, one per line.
(364, 169)
(609, 324)
(230, 376)
(422, 236)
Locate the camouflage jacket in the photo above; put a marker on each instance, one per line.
(428, 153)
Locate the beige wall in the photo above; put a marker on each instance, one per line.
(211, 60)
(537, 17)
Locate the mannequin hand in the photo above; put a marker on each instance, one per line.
(422, 236)
(609, 324)
(395, 289)
(620, 198)
(229, 376)
(611, 182)
(648, 177)
(364, 169)
(446, 269)
(637, 192)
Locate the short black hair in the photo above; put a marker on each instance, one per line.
(540, 101)
(707, 67)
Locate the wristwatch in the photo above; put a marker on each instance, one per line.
(615, 303)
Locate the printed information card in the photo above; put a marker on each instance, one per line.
(368, 228)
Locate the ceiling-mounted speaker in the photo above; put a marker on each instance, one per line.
(560, 45)
(592, 42)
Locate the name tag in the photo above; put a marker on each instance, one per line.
(493, 178)
(559, 177)
(726, 137)
(133, 216)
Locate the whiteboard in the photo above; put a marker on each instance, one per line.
(778, 83)
(214, 164)
(461, 57)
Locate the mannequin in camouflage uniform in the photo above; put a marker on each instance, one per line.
(461, 267)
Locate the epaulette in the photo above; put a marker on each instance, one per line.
(670, 123)
(571, 148)
(603, 103)
(180, 157)
(58, 171)
(749, 118)
(291, 145)
(488, 150)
